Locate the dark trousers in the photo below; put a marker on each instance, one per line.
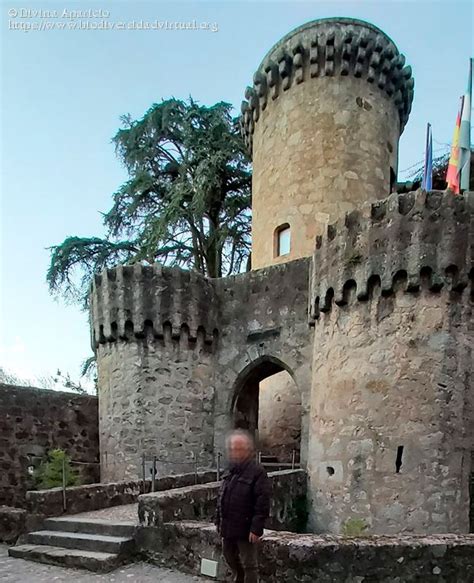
(241, 556)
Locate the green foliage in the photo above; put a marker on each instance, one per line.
(50, 472)
(74, 262)
(89, 370)
(186, 202)
(354, 527)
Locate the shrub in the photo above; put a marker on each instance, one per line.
(354, 527)
(50, 472)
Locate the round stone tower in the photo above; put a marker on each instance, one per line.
(322, 120)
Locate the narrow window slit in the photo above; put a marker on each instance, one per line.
(398, 461)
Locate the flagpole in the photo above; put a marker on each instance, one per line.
(465, 135)
(427, 183)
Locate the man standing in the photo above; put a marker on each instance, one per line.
(243, 507)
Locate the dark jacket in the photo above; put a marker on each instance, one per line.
(244, 501)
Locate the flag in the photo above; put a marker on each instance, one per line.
(452, 176)
(428, 168)
(465, 135)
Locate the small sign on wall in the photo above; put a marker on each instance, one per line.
(209, 567)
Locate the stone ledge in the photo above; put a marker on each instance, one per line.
(299, 558)
(12, 523)
(97, 496)
(199, 502)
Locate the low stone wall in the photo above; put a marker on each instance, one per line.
(12, 523)
(34, 421)
(304, 558)
(96, 496)
(288, 503)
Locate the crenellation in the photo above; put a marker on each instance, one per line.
(411, 233)
(139, 302)
(353, 48)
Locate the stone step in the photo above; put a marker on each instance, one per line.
(92, 561)
(82, 541)
(90, 525)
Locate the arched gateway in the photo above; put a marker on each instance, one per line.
(274, 418)
(174, 348)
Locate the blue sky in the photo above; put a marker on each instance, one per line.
(65, 90)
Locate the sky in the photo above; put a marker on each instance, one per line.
(63, 91)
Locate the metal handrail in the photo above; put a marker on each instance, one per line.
(155, 459)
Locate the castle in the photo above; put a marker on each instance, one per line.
(362, 297)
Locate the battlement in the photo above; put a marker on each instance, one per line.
(329, 48)
(137, 301)
(417, 237)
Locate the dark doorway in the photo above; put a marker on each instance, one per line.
(267, 403)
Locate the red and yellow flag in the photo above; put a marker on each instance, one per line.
(453, 174)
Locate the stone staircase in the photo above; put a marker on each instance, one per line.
(85, 543)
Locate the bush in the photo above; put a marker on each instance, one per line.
(354, 527)
(50, 472)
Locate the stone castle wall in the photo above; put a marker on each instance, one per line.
(34, 421)
(375, 332)
(322, 121)
(175, 350)
(392, 409)
(279, 417)
(264, 330)
(156, 399)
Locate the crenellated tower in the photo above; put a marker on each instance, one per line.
(392, 406)
(322, 120)
(154, 332)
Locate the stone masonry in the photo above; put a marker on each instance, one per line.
(322, 119)
(308, 558)
(392, 423)
(370, 313)
(172, 376)
(279, 417)
(34, 421)
(388, 324)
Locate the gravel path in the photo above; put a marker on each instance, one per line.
(20, 571)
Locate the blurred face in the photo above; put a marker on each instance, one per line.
(240, 449)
